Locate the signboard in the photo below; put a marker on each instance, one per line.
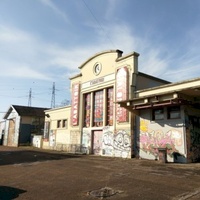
(122, 93)
(75, 104)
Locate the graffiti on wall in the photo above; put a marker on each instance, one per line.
(122, 143)
(107, 142)
(118, 143)
(52, 138)
(149, 139)
(195, 130)
(86, 140)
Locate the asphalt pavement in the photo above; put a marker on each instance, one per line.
(34, 174)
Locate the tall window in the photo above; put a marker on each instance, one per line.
(109, 107)
(64, 123)
(59, 124)
(98, 108)
(87, 109)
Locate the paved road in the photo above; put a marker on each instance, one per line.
(33, 174)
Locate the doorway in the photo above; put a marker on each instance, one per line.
(97, 142)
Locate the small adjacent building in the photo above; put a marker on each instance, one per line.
(22, 123)
(168, 118)
(59, 134)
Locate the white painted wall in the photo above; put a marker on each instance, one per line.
(13, 116)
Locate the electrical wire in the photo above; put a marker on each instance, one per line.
(98, 23)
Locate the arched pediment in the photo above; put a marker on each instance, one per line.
(119, 54)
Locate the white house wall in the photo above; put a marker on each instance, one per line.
(16, 118)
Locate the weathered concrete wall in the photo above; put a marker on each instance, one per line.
(164, 133)
(192, 124)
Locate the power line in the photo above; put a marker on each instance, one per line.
(98, 23)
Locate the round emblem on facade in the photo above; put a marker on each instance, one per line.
(97, 68)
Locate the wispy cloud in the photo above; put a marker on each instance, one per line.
(22, 71)
(23, 54)
(26, 55)
(159, 59)
(110, 8)
(185, 58)
(58, 11)
(8, 36)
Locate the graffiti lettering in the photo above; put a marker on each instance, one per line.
(150, 140)
(119, 143)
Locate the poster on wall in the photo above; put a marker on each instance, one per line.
(75, 104)
(122, 93)
(52, 138)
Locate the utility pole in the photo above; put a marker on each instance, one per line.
(53, 96)
(29, 97)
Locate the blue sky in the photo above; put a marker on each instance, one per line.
(45, 41)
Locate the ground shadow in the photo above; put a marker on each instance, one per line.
(8, 193)
(28, 156)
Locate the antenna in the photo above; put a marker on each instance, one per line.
(53, 96)
(29, 97)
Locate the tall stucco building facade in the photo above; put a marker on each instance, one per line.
(103, 126)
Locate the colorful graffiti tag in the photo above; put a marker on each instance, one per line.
(118, 144)
(86, 141)
(150, 140)
(108, 143)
